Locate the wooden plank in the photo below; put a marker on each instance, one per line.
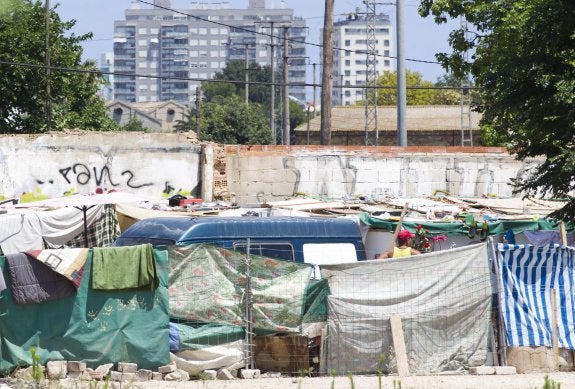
(563, 233)
(399, 345)
(554, 333)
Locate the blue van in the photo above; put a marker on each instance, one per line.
(315, 240)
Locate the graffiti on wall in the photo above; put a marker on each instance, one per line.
(81, 174)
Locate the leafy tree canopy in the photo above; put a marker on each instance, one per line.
(524, 62)
(23, 79)
(230, 120)
(388, 96)
(234, 71)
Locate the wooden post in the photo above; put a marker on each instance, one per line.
(554, 334)
(399, 345)
(563, 233)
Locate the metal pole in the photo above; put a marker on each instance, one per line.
(246, 76)
(48, 92)
(341, 89)
(198, 102)
(286, 129)
(273, 96)
(401, 87)
(314, 87)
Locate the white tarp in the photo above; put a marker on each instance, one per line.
(443, 299)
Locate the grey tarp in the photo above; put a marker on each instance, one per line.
(443, 299)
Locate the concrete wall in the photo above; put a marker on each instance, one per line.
(53, 164)
(151, 164)
(280, 172)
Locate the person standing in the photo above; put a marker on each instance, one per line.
(403, 248)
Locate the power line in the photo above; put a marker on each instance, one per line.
(240, 82)
(272, 36)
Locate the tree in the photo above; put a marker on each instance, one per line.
(450, 91)
(230, 120)
(523, 62)
(234, 71)
(388, 96)
(23, 77)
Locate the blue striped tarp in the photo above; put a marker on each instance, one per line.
(527, 275)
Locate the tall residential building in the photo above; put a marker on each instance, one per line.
(166, 53)
(350, 59)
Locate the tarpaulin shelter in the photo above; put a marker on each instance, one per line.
(84, 203)
(94, 326)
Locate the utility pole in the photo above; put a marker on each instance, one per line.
(341, 89)
(273, 87)
(327, 74)
(47, 59)
(401, 86)
(314, 94)
(371, 76)
(286, 125)
(198, 111)
(246, 75)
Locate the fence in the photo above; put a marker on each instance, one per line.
(224, 304)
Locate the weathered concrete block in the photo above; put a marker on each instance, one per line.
(143, 375)
(120, 376)
(249, 373)
(169, 368)
(224, 375)
(178, 375)
(127, 367)
(157, 376)
(482, 370)
(57, 369)
(505, 370)
(104, 369)
(76, 366)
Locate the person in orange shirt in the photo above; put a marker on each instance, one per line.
(403, 248)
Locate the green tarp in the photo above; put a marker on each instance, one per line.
(94, 326)
(458, 228)
(208, 283)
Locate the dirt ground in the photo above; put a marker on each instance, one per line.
(517, 381)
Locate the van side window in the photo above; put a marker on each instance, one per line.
(282, 251)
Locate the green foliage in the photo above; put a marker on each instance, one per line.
(37, 373)
(229, 120)
(388, 96)
(524, 62)
(551, 384)
(134, 125)
(351, 383)
(332, 373)
(24, 99)
(234, 71)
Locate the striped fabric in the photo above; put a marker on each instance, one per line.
(527, 275)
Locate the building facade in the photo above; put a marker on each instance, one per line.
(166, 53)
(350, 59)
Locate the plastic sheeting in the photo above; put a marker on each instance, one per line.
(207, 284)
(96, 327)
(444, 302)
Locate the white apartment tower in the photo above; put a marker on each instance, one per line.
(350, 59)
(165, 53)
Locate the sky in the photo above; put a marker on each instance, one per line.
(422, 39)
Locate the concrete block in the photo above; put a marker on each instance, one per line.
(76, 375)
(120, 376)
(224, 375)
(95, 375)
(127, 367)
(482, 370)
(178, 375)
(143, 375)
(249, 374)
(157, 376)
(57, 369)
(104, 369)
(76, 366)
(505, 370)
(169, 368)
